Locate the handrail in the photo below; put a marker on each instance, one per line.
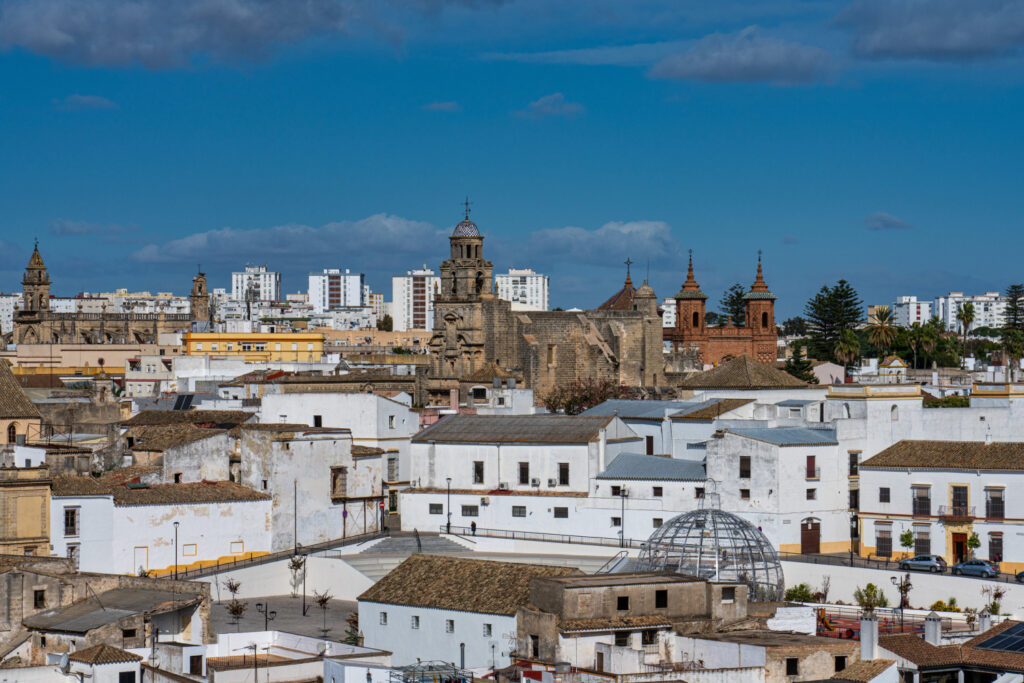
(546, 537)
(606, 567)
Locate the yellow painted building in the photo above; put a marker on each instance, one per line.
(256, 346)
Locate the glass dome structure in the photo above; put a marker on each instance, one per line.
(718, 546)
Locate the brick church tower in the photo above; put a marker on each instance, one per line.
(760, 314)
(690, 309)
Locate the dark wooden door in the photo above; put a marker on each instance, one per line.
(810, 537)
(959, 548)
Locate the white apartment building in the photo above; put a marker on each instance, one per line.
(346, 318)
(907, 310)
(988, 309)
(375, 300)
(523, 288)
(333, 288)
(668, 314)
(267, 283)
(8, 304)
(412, 299)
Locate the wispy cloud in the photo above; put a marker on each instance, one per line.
(884, 221)
(640, 54)
(748, 56)
(607, 245)
(442, 106)
(67, 228)
(554, 104)
(947, 30)
(79, 102)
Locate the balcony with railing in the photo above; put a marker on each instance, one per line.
(813, 473)
(921, 507)
(995, 509)
(956, 512)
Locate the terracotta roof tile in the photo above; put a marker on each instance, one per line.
(127, 489)
(461, 584)
(714, 409)
(160, 438)
(965, 455)
(613, 623)
(515, 428)
(864, 670)
(223, 419)
(14, 402)
(103, 654)
(743, 373)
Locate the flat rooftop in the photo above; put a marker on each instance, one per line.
(108, 608)
(772, 639)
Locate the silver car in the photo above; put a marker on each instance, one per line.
(924, 563)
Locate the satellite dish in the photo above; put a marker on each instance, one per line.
(321, 648)
(64, 663)
(154, 661)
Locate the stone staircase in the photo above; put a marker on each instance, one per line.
(406, 545)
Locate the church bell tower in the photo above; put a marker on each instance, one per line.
(466, 275)
(36, 284)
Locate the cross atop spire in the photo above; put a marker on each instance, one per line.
(690, 290)
(759, 287)
(466, 204)
(628, 263)
(759, 252)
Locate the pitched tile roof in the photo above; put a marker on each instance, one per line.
(103, 654)
(127, 490)
(629, 466)
(743, 373)
(915, 649)
(612, 623)
(160, 438)
(621, 300)
(864, 670)
(515, 428)
(461, 584)
(789, 436)
(925, 655)
(966, 455)
(712, 409)
(13, 401)
(222, 419)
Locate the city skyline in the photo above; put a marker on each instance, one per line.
(861, 140)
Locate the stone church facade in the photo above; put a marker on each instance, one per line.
(37, 324)
(757, 338)
(475, 331)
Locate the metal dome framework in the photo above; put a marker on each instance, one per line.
(718, 546)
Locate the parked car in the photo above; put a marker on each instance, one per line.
(924, 563)
(982, 568)
(1020, 576)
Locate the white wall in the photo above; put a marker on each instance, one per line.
(95, 537)
(275, 578)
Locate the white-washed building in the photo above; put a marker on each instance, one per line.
(989, 309)
(332, 289)
(412, 299)
(907, 310)
(523, 288)
(265, 284)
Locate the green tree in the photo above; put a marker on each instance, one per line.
(711, 319)
(733, 304)
(386, 324)
(870, 597)
(914, 335)
(794, 327)
(846, 348)
(907, 539)
(965, 316)
(801, 592)
(829, 312)
(882, 330)
(352, 636)
(1013, 349)
(973, 542)
(799, 366)
(1013, 314)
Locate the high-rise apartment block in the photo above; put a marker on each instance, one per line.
(523, 288)
(989, 309)
(908, 310)
(266, 284)
(335, 289)
(412, 299)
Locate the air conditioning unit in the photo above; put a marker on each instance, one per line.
(535, 482)
(485, 500)
(552, 482)
(503, 486)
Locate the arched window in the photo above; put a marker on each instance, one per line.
(846, 410)
(894, 413)
(764, 320)
(696, 319)
(12, 433)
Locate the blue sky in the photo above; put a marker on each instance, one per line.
(877, 141)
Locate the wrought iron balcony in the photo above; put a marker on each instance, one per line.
(953, 512)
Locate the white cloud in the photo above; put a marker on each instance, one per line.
(79, 102)
(554, 104)
(884, 221)
(608, 245)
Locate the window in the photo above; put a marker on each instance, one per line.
(744, 467)
(478, 471)
(534, 646)
(199, 346)
(894, 413)
(127, 633)
(622, 603)
(449, 626)
(883, 494)
(883, 542)
(812, 470)
(922, 541)
(959, 496)
(812, 494)
(616, 521)
(391, 421)
(698, 492)
(318, 420)
(195, 665)
(995, 547)
(339, 482)
(854, 499)
(563, 474)
(524, 473)
(470, 511)
(126, 677)
(488, 630)
(39, 598)
(392, 468)
(840, 663)
(854, 459)
(995, 505)
(74, 552)
(921, 501)
(616, 490)
(656, 492)
(518, 510)
(744, 494)
(622, 638)
(436, 509)
(661, 599)
(649, 443)
(177, 477)
(764, 320)
(12, 433)
(71, 521)
(383, 618)
(792, 666)
(213, 346)
(657, 522)
(728, 594)
(649, 637)
(415, 621)
(561, 513)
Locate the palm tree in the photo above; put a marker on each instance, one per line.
(930, 335)
(846, 349)
(881, 330)
(1013, 348)
(914, 335)
(965, 316)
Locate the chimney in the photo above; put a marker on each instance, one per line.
(984, 620)
(453, 399)
(933, 629)
(868, 637)
(602, 446)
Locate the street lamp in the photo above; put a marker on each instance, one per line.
(268, 614)
(449, 479)
(176, 550)
(903, 587)
(305, 559)
(623, 494)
